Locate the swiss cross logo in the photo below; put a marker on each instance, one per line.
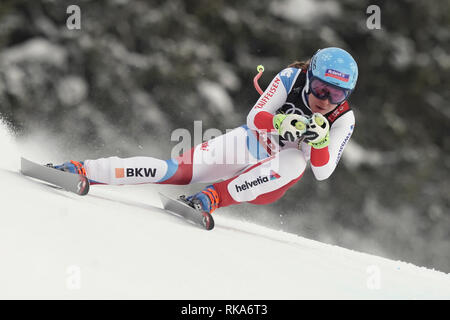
(338, 112)
(287, 73)
(274, 175)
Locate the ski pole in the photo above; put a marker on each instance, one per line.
(260, 70)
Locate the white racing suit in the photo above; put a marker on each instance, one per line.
(248, 164)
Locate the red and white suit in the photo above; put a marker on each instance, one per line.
(250, 163)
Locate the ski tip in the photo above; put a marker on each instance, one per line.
(83, 186)
(203, 219)
(208, 221)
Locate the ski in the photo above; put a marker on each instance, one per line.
(75, 183)
(183, 208)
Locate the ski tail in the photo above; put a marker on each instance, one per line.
(75, 183)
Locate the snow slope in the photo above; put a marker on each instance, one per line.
(117, 243)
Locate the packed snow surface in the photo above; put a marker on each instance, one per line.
(117, 242)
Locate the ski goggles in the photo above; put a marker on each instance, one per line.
(322, 90)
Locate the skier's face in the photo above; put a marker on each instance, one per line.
(320, 106)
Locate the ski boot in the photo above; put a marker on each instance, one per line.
(71, 166)
(205, 201)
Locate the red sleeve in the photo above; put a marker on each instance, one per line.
(319, 157)
(264, 121)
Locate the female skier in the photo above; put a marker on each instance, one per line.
(302, 116)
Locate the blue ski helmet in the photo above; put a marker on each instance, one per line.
(334, 66)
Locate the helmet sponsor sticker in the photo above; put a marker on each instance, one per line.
(337, 75)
